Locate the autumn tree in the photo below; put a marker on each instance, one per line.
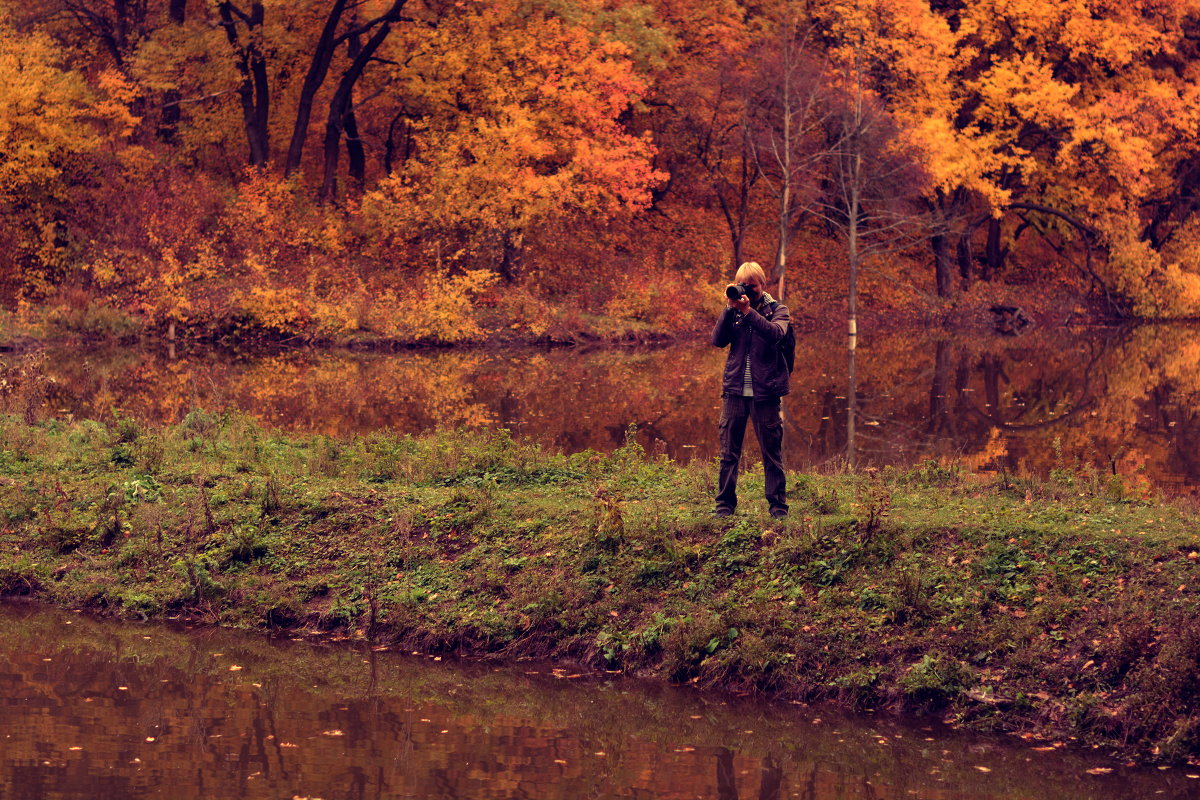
(790, 112)
(1078, 113)
(877, 51)
(515, 118)
(51, 122)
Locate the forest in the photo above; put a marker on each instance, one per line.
(397, 167)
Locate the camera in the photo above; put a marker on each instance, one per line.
(736, 291)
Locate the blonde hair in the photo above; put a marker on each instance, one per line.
(751, 268)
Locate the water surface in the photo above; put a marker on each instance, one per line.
(100, 710)
(1122, 402)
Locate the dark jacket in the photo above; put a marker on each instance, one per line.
(761, 330)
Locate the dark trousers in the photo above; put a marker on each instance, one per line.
(768, 427)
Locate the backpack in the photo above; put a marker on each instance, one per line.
(787, 347)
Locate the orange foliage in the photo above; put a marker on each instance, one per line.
(575, 144)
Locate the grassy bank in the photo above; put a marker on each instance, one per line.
(1054, 607)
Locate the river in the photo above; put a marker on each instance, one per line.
(98, 710)
(1105, 403)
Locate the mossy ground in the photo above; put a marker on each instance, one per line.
(1056, 607)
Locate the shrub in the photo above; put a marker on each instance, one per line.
(935, 680)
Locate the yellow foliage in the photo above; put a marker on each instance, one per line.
(278, 308)
(440, 308)
(179, 286)
(117, 94)
(662, 304)
(1171, 287)
(44, 111)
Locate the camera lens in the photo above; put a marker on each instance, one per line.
(735, 292)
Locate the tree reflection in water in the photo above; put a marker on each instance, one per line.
(1116, 401)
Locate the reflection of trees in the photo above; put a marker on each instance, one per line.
(942, 420)
(1037, 406)
(1122, 398)
(565, 398)
(1003, 402)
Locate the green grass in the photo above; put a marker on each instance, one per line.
(1057, 607)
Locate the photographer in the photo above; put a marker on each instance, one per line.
(754, 326)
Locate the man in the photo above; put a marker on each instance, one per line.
(756, 378)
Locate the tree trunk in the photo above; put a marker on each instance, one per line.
(389, 151)
(262, 88)
(964, 259)
(737, 218)
(994, 254)
(318, 68)
(943, 263)
(782, 247)
(254, 90)
(168, 121)
(354, 151)
(510, 261)
(785, 189)
(852, 247)
(342, 100)
(939, 241)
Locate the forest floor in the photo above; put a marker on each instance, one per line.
(1062, 608)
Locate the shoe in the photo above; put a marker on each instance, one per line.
(723, 512)
(779, 513)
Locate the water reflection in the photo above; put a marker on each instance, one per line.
(100, 710)
(1119, 401)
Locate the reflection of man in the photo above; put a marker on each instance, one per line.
(770, 788)
(756, 378)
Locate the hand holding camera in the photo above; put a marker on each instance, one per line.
(738, 295)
